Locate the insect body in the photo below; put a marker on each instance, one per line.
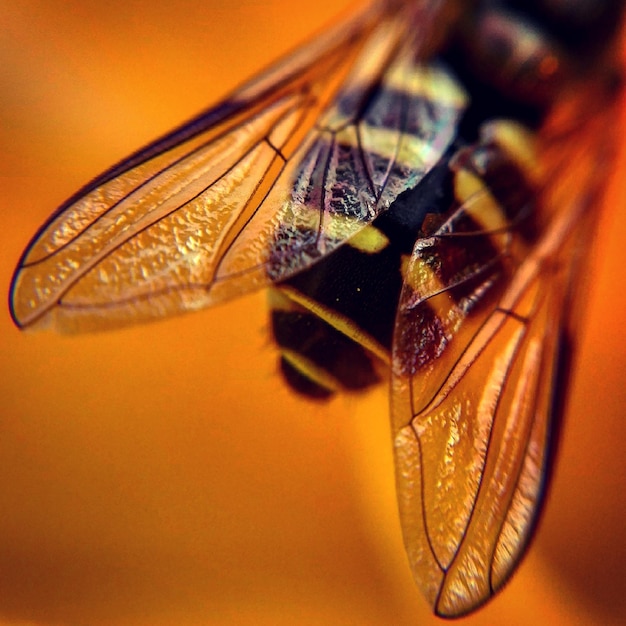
(418, 186)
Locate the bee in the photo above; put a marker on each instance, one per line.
(418, 189)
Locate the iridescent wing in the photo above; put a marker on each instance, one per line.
(257, 188)
(473, 417)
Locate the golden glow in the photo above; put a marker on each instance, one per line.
(311, 371)
(478, 202)
(518, 143)
(162, 475)
(338, 322)
(369, 240)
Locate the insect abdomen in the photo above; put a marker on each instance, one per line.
(349, 299)
(334, 323)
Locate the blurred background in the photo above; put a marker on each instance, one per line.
(162, 475)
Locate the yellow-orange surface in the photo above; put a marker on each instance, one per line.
(162, 475)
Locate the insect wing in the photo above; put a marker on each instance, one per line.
(472, 424)
(258, 188)
(146, 238)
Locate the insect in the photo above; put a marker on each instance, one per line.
(418, 189)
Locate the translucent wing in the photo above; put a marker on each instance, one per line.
(472, 419)
(253, 190)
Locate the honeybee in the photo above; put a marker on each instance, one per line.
(417, 188)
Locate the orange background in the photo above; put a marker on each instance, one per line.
(162, 475)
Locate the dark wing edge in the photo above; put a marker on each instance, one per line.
(470, 465)
(474, 437)
(253, 191)
(281, 81)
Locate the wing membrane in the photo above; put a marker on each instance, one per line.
(472, 426)
(259, 187)
(470, 463)
(190, 178)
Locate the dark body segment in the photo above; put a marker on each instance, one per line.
(354, 291)
(420, 185)
(504, 79)
(358, 290)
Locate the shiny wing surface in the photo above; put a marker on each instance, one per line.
(255, 189)
(472, 422)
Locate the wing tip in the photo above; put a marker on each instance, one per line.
(12, 299)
